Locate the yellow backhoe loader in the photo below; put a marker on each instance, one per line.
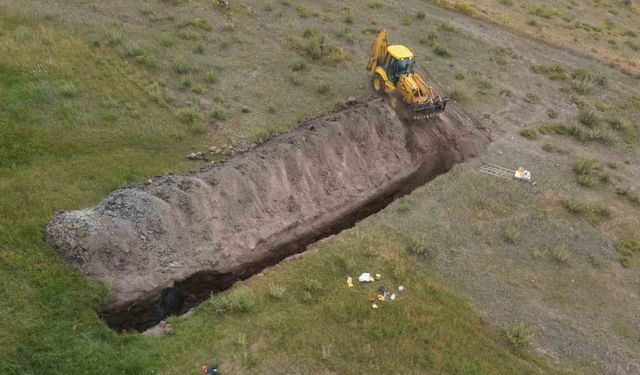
(392, 73)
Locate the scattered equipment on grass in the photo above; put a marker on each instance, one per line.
(496, 170)
(392, 73)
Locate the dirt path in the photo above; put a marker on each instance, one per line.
(167, 245)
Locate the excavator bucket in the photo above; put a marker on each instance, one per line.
(430, 108)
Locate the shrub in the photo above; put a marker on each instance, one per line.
(594, 213)
(626, 248)
(211, 77)
(324, 89)
(548, 147)
(349, 18)
(581, 86)
(588, 118)
(277, 291)
(458, 94)
(183, 67)
(219, 113)
(459, 76)
(297, 65)
(238, 301)
(529, 133)
(417, 245)
(302, 11)
(464, 8)
(420, 15)
(442, 51)
(575, 206)
(553, 129)
(295, 79)
(560, 254)
(377, 4)
(317, 47)
(198, 48)
(554, 72)
(511, 234)
(587, 166)
(407, 21)
(518, 334)
(189, 115)
(596, 260)
(580, 73)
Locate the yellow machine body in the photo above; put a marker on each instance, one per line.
(392, 73)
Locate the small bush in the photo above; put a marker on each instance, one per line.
(548, 147)
(560, 254)
(459, 76)
(518, 334)
(348, 18)
(296, 79)
(587, 166)
(189, 115)
(593, 212)
(588, 118)
(511, 234)
(596, 260)
(554, 72)
(581, 86)
(377, 4)
(627, 246)
(420, 15)
(464, 8)
(277, 291)
(458, 94)
(324, 89)
(529, 133)
(219, 113)
(560, 129)
(302, 11)
(417, 245)
(238, 301)
(198, 48)
(211, 77)
(297, 65)
(442, 51)
(183, 67)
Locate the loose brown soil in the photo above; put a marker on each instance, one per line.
(167, 245)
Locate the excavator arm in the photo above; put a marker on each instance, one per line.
(378, 51)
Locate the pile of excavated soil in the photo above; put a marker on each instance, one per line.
(167, 245)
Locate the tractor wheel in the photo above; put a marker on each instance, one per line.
(378, 84)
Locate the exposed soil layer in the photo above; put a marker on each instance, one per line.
(167, 245)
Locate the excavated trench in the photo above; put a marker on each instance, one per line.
(166, 246)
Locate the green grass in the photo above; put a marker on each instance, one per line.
(58, 150)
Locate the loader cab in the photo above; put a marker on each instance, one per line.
(399, 61)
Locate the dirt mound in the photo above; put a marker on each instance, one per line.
(167, 245)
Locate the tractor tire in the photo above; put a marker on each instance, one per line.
(378, 84)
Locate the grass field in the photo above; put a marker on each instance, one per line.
(97, 95)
